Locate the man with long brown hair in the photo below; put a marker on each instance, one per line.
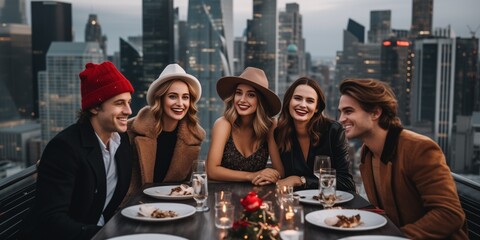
(403, 172)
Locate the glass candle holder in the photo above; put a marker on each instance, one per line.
(224, 216)
(223, 197)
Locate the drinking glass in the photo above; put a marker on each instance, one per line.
(292, 223)
(328, 185)
(321, 162)
(199, 167)
(200, 191)
(284, 195)
(223, 197)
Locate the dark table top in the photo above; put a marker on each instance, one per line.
(201, 225)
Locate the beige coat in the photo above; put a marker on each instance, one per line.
(144, 143)
(417, 190)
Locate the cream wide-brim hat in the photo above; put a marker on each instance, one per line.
(257, 79)
(173, 72)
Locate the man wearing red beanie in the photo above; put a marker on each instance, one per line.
(85, 170)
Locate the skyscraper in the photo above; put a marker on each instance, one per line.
(422, 14)
(158, 37)
(394, 70)
(13, 11)
(15, 72)
(466, 79)
(380, 26)
(261, 47)
(131, 66)
(51, 21)
(158, 41)
(291, 47)
(433, 87)
(93, 33)
(210, 55)
(59, 84)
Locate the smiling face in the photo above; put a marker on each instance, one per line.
(245, 100)
(303, 104)
(111, 116)
(176, 102)
(357, 122)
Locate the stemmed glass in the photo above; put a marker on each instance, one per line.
(328, 185)
(321, 162)
(200, 185)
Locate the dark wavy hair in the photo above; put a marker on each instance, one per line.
(370, 94)
(285, 127)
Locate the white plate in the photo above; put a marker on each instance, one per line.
(370, 220)
(306, 196)
(182, 211)
(163, 192)
(148, 236)
(373, 237)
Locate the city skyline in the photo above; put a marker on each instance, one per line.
(122, 18)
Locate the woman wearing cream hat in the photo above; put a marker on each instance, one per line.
(242, 138)
(170, 121)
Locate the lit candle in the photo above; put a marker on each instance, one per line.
(291, 235)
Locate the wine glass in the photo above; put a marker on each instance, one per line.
(200, 191)
(321, 162)
(328, 185)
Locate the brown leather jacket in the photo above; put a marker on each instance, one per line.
(417, 190)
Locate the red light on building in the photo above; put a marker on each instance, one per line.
(403, 43)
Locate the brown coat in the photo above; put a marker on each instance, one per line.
(144, 142)
(417, 190)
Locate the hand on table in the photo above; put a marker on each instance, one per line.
(293, 181)
(265, 177)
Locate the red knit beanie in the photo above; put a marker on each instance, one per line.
(100, 82)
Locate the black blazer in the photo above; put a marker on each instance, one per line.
(71, 185)
(332, 143)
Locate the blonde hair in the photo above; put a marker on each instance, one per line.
(261, 122)
(157, 108)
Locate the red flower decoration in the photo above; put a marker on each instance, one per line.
(251, 202)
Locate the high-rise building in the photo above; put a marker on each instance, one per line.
(51, 21)
(380, 26)
(261, 47)
(14, 141)
(291, 47)
(210, 55)
(394, 70)
(182, 58)
(158, 37)
(93, 33)
(158, 41)
(131, 66)
(433, 87)
(59, 84)
(16, 88)
(13, 11)
(239, 55)
(422, 15)
(466, 79)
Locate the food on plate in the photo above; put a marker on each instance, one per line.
(318, 198)
(149, 211)
(181, 190)
(343, 221)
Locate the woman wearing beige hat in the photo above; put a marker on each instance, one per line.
(242, 139)
(170, 121)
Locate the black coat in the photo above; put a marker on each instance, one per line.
(332, 143)
(71, 185)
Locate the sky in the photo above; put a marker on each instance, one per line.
(323, 20)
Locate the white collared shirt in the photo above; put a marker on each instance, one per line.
(110, 168)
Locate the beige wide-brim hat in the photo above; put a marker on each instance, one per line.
(256, 78)
(173, 72)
